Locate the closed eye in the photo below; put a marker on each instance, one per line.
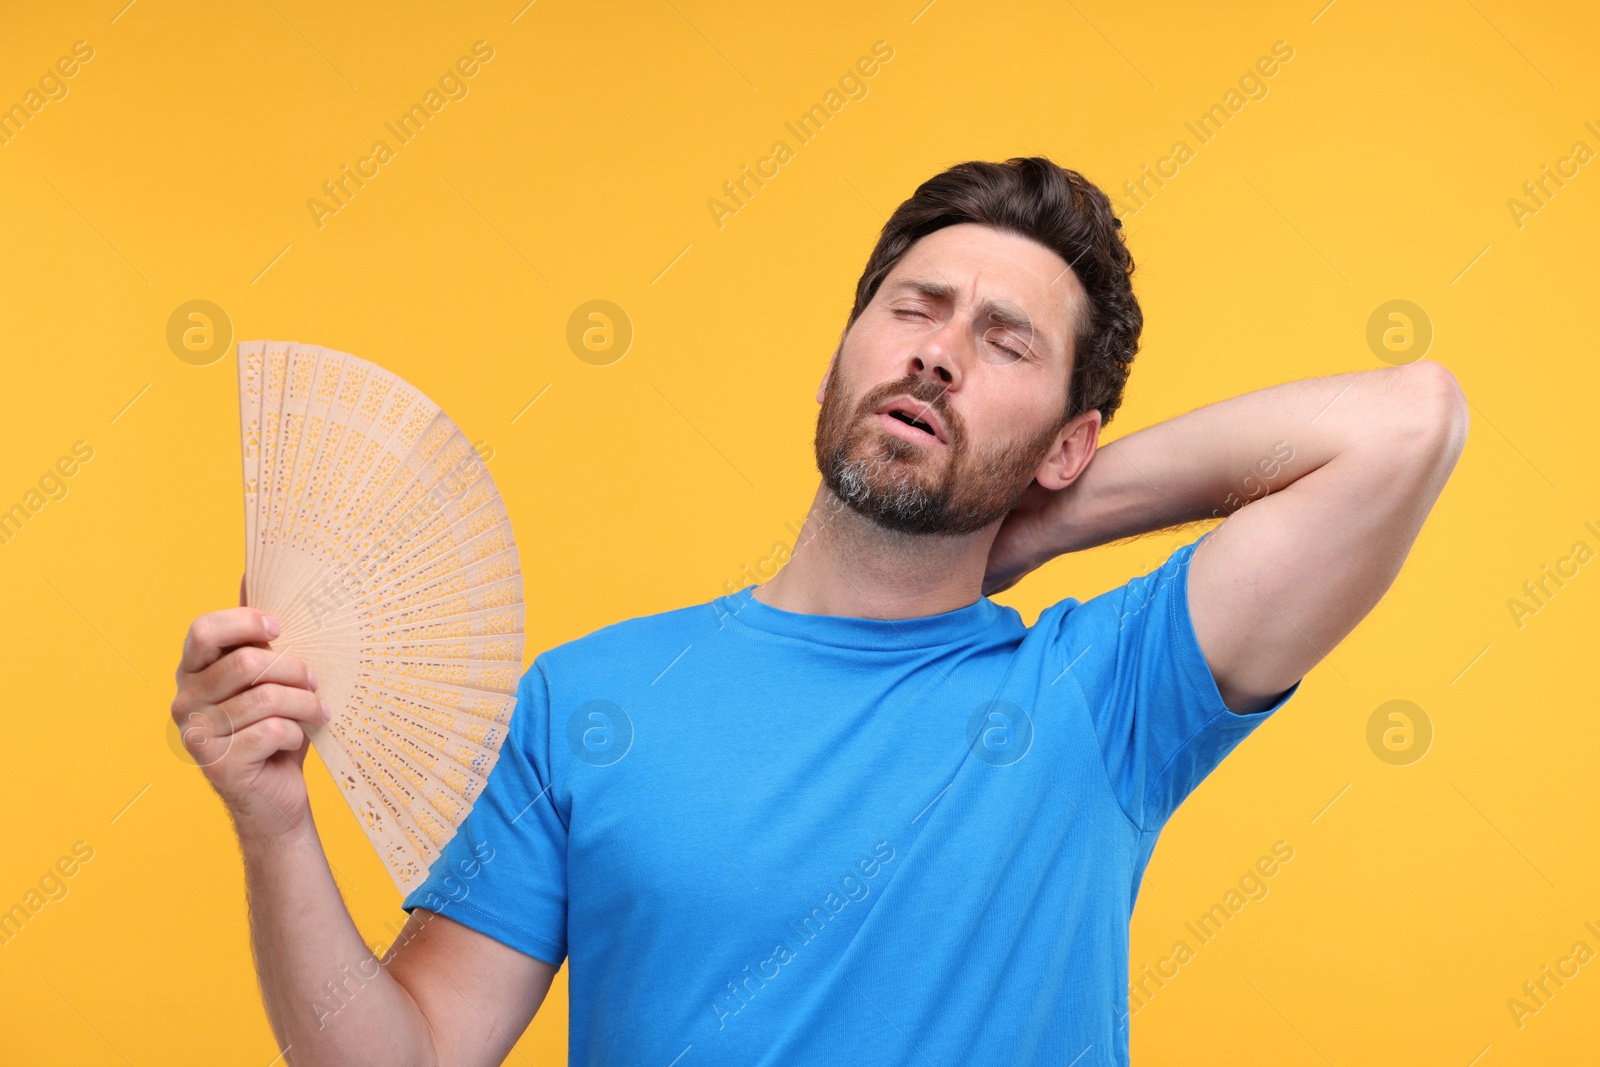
(1012, 352)
(1007, 349)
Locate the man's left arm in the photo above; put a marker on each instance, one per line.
(1338, 473)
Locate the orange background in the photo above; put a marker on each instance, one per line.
(1378, 164)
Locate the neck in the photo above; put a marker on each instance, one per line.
(845, 564)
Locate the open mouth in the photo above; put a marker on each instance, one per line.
(906, 418)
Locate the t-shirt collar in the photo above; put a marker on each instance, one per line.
(849, 631)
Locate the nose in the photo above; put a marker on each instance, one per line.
(942, 355)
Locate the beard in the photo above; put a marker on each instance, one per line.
(919, 489)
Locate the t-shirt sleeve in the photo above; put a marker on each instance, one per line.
(504, 873)
(1159, 716)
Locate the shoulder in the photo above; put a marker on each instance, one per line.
(1162, 588)
(628, 645)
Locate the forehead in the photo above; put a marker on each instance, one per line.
(984, 263)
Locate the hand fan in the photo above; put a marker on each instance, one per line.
(376, 537)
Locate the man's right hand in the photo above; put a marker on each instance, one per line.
(241, 710)
(445, 993)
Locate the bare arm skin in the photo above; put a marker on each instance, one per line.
(443, 995)
(1325, 484)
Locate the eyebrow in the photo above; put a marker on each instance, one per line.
(1004, 312)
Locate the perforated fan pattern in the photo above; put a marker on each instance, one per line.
(376, 536)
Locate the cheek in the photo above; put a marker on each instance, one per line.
(1016, 424)
(995, 411)
(866, 364)
(867, 354)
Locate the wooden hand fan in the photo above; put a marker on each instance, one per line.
(376, 537)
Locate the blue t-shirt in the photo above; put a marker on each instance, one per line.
(766, 837)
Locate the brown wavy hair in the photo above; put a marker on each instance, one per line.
(1065, 212)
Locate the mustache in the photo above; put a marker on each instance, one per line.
(920, 390)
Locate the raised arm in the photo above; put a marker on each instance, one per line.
(443, 994)
(1323, 485)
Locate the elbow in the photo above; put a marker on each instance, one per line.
(1436, 412)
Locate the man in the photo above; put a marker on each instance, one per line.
(861, 813)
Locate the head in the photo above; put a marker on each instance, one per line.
(997, 309)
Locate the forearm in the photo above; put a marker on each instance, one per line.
(328, 998)
(1209, 462)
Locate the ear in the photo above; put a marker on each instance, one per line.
(1075, 447)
